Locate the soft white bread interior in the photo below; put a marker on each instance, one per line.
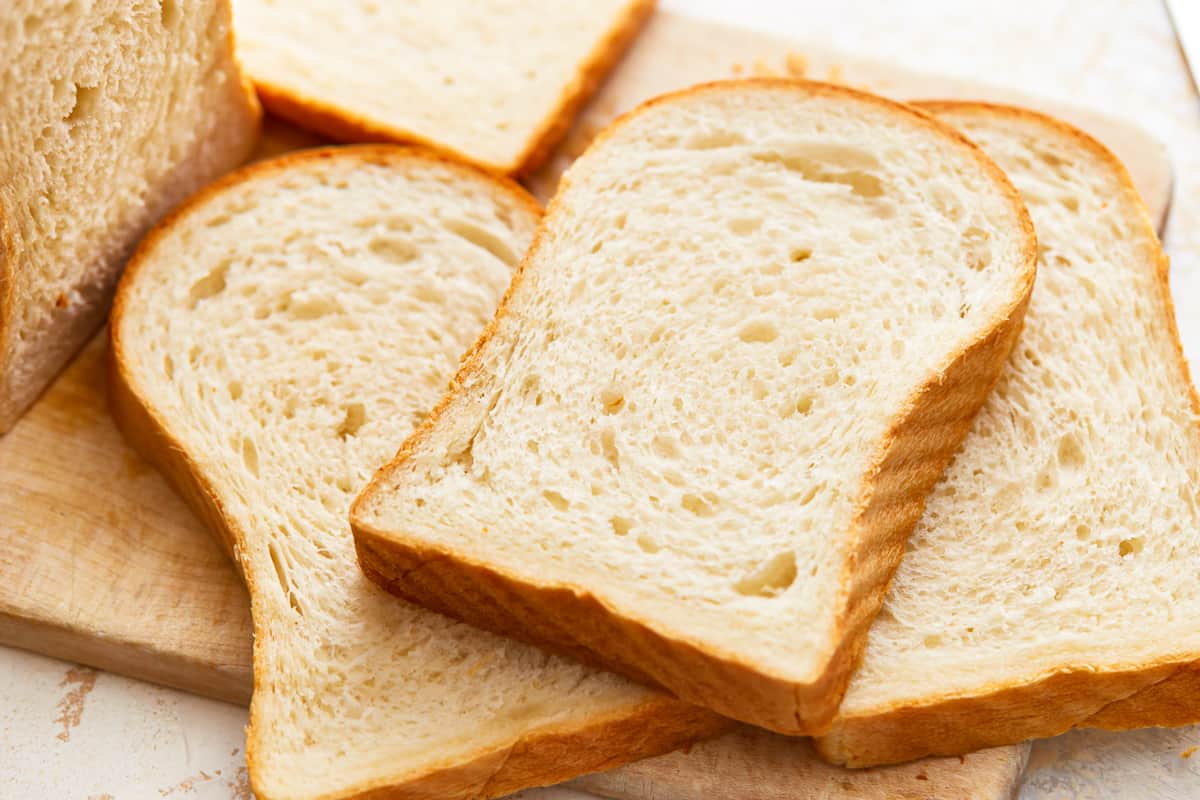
(271, 343)
(496, 82)
(113, 111)
(1047, 585)
(756, 323)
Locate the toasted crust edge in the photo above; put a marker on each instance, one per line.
(344, 125)
(1163, 692)
(547, 756)
(571, 621)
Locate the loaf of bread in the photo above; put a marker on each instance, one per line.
(755, 325)
(271, 343)
(496, 82)
(114, 111)
(1048, 584)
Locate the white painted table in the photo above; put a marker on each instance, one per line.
(70, 732)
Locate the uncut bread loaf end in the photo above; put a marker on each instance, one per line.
(114, 111)
(755, 325)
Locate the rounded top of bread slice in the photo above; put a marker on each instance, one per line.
(683, 408)
(273, 340)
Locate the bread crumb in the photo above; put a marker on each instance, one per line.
(1188, 753)
(764, 70)
(921, 776)
(796, 65)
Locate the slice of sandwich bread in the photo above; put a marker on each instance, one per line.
(271, 342)
(755, 324)
(1049, 584)
(496, 82)
(113, 112)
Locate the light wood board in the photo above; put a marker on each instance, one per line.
(100, 563)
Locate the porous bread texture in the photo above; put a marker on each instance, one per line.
(496, 82)
(1048, 581)
(756, 323)
(272, 342)
(113, 112)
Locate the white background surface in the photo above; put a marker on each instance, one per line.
(69, 732)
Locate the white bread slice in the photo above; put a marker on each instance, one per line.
(114, 111)
(755, 324)
(1049, 584)
(495, 82)
(271, 342)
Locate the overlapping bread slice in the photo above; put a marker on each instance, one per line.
(755, 324)
(271, 343)
(114, 111)
(1050, 582)
(496, 82)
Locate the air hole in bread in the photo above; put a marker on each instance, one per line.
(1070, 452)
(86, 100)
(665, 447)
(800, 254)
(1129, 547)
(758, 331)
(978, 251)
(611, 400)
(355, 417)
(169, 13)
(169, 366)
(281, 575)
(212, 284)
(860, 182)
(250, 455)
(620, 525)
(555, 499)
(745, 226)
(700, 506)
(482, 238)
(235, 390)
(608, 443)
(647, 544)
(714, 140)
(771, 578)
(394, 249)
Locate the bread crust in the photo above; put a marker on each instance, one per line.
(12, 404)
(549, 755)
(344, 125)
(570, 620)
(1132, 695)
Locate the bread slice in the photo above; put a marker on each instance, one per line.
(757, 320)
(271, 342)
(1047, 585)
(114, 111)
(491, 81)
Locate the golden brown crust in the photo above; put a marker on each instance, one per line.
(1163, 692)
(547, 756)
(343, 125)
(569, 620)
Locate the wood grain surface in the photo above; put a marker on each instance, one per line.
(100, 563)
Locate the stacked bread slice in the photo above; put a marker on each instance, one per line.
(753, 328)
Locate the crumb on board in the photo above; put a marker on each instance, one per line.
(764, 70)
(921, 776)
(1188, 753)
(795, 65)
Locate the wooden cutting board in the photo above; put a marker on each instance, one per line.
(100, 563)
